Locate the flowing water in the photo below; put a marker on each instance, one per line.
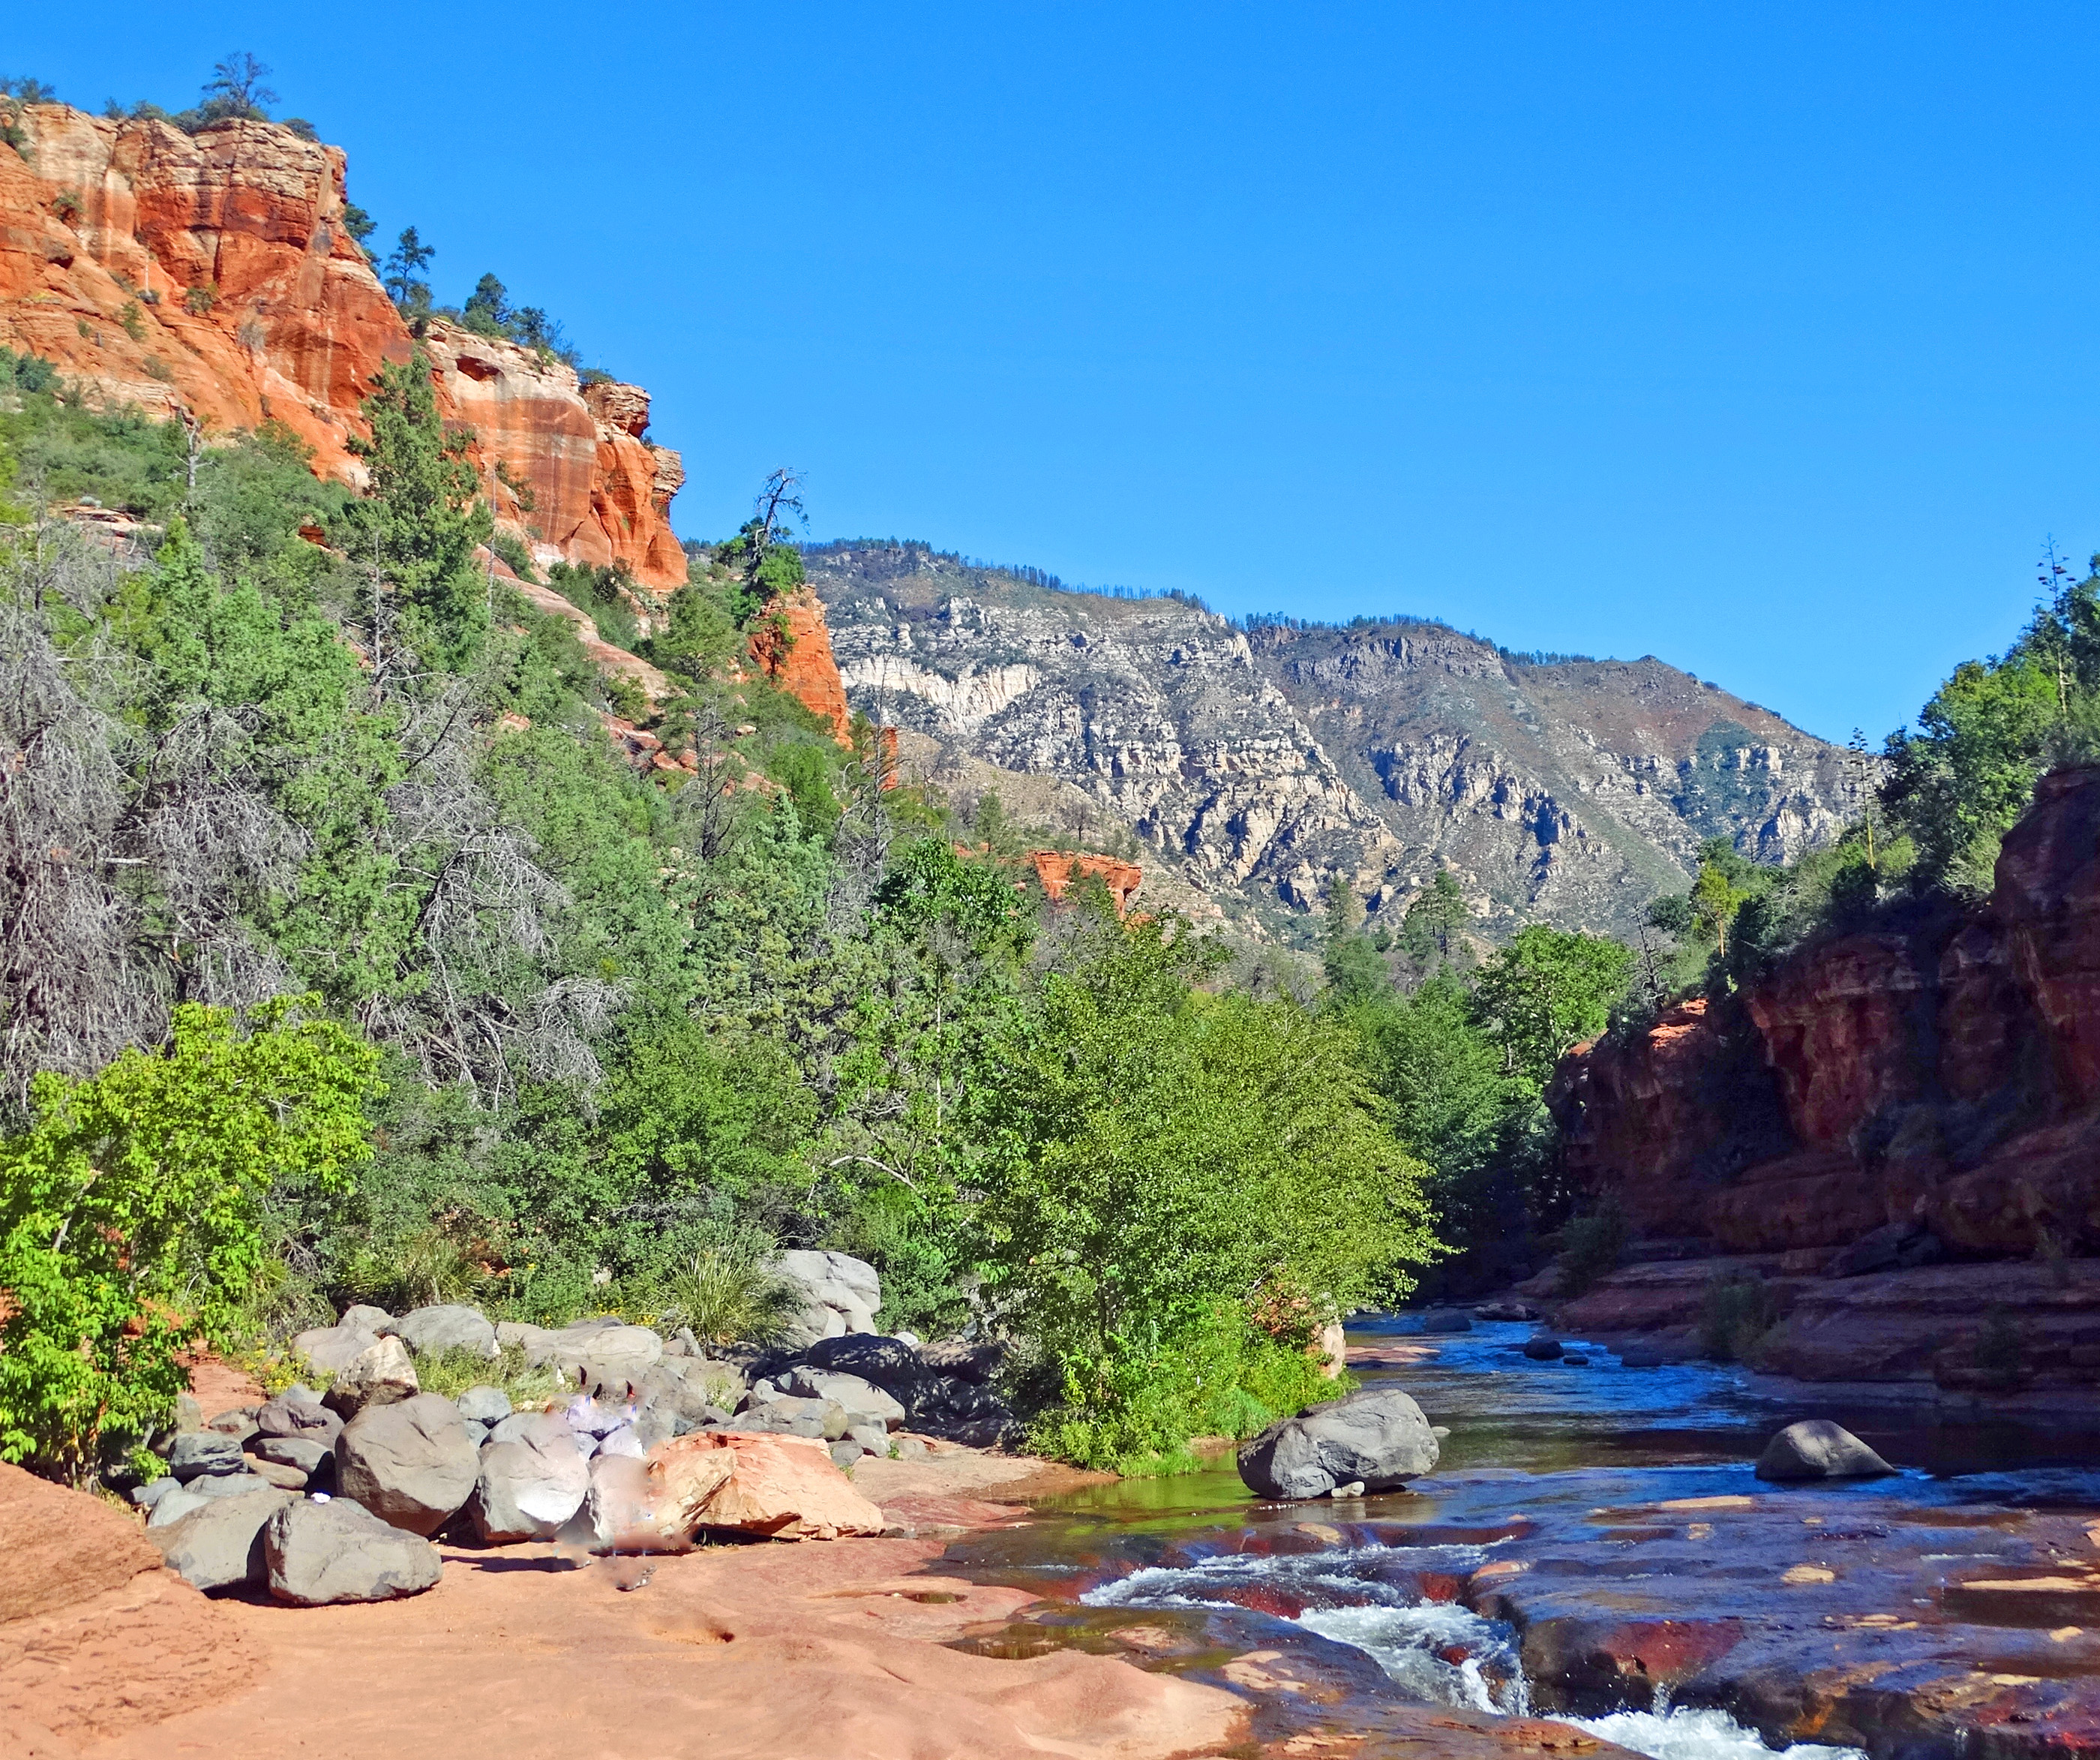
(1357, 1597)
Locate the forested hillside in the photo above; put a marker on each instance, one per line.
(1253, 763)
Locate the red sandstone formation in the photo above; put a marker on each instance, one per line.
(1948, 1076)
(792, 645)
(207, 277)
(1057, 869)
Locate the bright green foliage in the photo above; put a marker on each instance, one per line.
(1150, 1148)
(132, 1215)
(420, 525)
(1549, 989)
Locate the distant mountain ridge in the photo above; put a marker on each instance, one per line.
(1254, 763)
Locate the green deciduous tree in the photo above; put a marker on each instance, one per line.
(1151, 1149)
(1549, 990)
(131, 1215)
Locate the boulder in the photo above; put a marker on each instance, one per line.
(886, 1363)
(314, 1554)
(597, 1418)
(840, 1293)
(531, 1483)
(331, 1349)
(873, 1438)
(483, 1405)
(518, 1423)
(862, 1401)
(366, 1318)
(381, 1376)
(298, 1412)
(449, 1326)
(1377, 1436)
(196, 1453)
(621, 1441)
(1895, 1246)
(1817, 1448)
(218, 1545)
(1506, 1311)
(284, 1478)
(409, 1463)
(977, 1360)
(293, 1451)
(510, 1333)
(1543, 1350)
(171, 1508)
(1447, 1320)
(602, 1356)
(784, 1414)
(237, 1421)
(784, 1487)
(625, 1511)
(145, 1496)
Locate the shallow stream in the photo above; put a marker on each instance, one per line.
(1332, 1612)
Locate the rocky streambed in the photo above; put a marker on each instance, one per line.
(1595, 1549)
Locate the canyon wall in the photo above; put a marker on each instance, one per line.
(1941, 1073)
(210, 278)
(1255, 764)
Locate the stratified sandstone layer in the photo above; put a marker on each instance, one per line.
(1945, 1073)
(209, 278)
(1934, 1084)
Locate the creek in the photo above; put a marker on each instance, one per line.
(1608, 1504)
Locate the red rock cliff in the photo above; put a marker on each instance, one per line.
(210, 276)
(793, 645)
(1948, 1076)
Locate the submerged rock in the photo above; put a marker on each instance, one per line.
(1378, 1436)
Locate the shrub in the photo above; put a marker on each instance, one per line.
(200, 300)
(451, 1372)
(1590, 1248)
(133, 318)
(1734, 1313)
(727, 1296)
(511, 548)
(66, 206)
(132, 1211)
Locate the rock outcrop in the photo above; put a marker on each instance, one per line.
(1256, 764)
(210, 278)
(1943, 1074)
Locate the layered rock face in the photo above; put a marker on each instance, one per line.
(1259, 764)
(1946, 1077)
(210, 278)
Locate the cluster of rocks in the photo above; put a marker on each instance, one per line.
(383, 1465)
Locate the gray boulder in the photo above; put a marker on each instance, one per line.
(873, 1438)
(530, 1483)
(1379, 1437)
(840, 1293)
(145, 1496)
(381, 1376)
(483, 1405)
(314, 1553)
(1447, 1320)
(622, 1441)
(601, 1355)
(1817, 1448)
(410, 1463)
(218, 1545)
(294, 1452)
(366, 1318)
(515, 1425)
(1543, 1350)
(196, 1452)
(172, 1506)
(298, 1412)
(863, 1401)
(450, 1326)
(330, 1349)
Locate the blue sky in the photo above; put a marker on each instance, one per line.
(1759, 337)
